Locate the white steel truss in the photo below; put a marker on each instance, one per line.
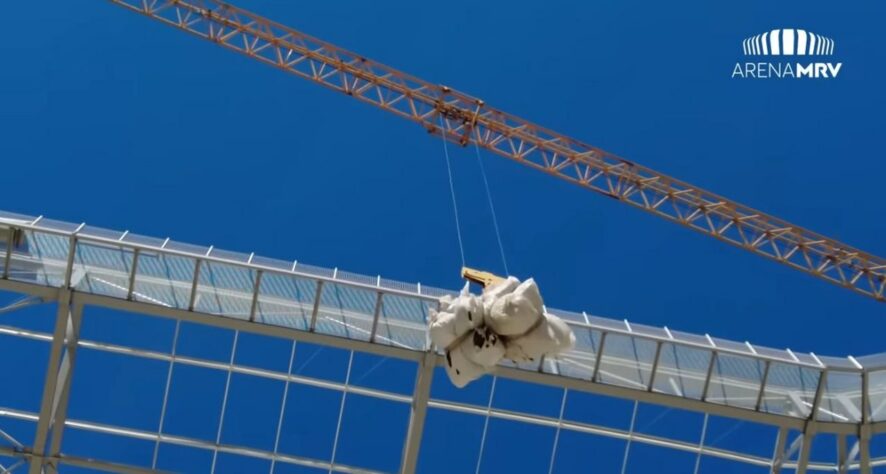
(79, 266)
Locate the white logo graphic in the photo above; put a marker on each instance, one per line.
(788, 42)
(783, 42)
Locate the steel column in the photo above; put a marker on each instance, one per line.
(810, 428)
(194, 284)
(707, 378)
(52, 377)
(255, 291)
(762, 391)
(316, 309)
(132, 273)
(805, 449)
(654, 366)
(778, 454)
(842, 458)
(595, 376)
(376, 315)
(419, 410)
(8, 257)
(66, 373)
(864, 450)
(864, 432)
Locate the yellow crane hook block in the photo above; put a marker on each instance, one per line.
(480, 277)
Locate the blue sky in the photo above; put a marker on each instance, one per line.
(125, 123)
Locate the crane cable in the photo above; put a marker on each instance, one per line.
(501, 247)
(461, 247)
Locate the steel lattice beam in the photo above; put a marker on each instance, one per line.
(464, 119)
(55, 257)
(419, 399)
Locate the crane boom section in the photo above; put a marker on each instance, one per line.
(464, 119)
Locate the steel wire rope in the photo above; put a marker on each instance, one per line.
(501, 247)
(461, 247)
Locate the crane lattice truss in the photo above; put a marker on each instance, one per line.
(467, 120)
(800, 397)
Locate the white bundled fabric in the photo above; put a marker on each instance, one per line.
(452, 327)
(484, 347)
(552, 336)
(506, 321)
(511, 308)
(460, 369)
(456, 317)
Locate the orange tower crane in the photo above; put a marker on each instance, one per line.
(463, 119)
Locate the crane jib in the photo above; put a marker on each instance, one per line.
(463, 119)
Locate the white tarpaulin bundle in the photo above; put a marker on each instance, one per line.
(507, 321)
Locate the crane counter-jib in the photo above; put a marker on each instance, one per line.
(464, 119)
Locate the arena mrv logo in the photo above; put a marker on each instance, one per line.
(787, 53)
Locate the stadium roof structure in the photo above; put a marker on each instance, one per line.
(790, 399)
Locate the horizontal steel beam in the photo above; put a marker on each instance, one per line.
(176, 440)
(407, 354)
(76, 461)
